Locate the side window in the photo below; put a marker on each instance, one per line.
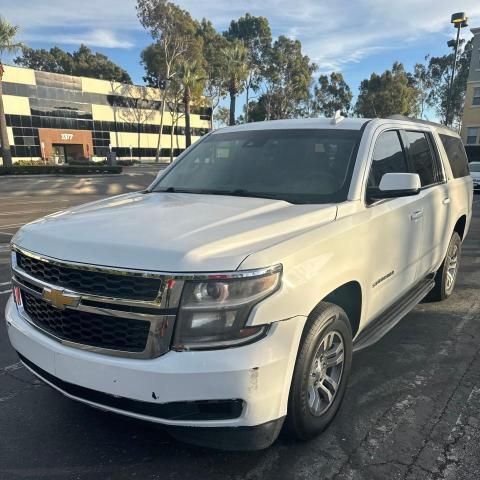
(456, 155)
(421, 156)
(388, 156)
(476, 96)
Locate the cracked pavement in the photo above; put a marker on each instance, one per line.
(412, 409)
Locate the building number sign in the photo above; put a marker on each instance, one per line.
(66, 136)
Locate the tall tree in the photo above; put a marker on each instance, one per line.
(8, 32)
(423, 82)
(173, 30)
(222, 117)
(288, 75)
(213, 45)
(136, 108)
(387, 94)
(439, 73)
(235, 72)
(82, 62)
(256, 35)
(331, 94)
(193, 81)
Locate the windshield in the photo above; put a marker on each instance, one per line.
(475, 167)
(299, 166)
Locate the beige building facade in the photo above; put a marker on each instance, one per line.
(471, 111)
(62, 118)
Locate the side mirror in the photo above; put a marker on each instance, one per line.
(394, 185)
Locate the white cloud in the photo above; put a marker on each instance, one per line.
(97, 23)
(334, 34)
(341, 32)
(94, 38)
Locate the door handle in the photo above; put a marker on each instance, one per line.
(446, 201)
(416, 215)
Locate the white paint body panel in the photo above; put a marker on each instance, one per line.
(258, 373)
(321, 247)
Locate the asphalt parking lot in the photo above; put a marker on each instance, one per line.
(412, 409)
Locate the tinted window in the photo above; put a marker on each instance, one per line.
(299, 166)
(421, 157)
(456, 155)
(388, 157)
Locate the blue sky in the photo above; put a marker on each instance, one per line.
(354, 37)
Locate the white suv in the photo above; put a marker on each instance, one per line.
(475, 173)
(229, 296)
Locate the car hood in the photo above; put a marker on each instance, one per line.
(170, 232)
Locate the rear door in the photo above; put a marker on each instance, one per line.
(434, 199)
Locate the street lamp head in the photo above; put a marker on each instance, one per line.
(459, 19)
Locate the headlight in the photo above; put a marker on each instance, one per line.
(213, 313)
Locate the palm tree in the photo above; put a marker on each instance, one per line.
(236, 72)
(7, 45)
(193, 80)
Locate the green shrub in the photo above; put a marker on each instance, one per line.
(29, 163)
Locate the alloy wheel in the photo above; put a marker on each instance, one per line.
(326, 373)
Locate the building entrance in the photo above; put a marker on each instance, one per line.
(65, 153)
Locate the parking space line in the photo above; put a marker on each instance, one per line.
(23, 212)
(11, 225)
(2, 284)
(14, 203)
(3, 292)
(5, 233)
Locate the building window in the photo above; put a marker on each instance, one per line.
(476, 96)
(472, 135)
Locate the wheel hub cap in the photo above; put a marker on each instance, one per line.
(452, 269)
(326, 373)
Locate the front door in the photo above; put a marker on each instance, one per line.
(58, 154)
(394, 229)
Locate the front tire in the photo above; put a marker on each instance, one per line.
(446, 275)
(321, 372)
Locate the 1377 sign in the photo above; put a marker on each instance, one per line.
(66, 136)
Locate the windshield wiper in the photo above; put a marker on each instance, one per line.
(238, 192)
(177, 190)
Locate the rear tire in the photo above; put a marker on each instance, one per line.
(446, 275)
(321, 372)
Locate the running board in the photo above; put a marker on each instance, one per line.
(381, 325)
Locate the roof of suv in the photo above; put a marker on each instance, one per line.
(345, 124)
(324, 123)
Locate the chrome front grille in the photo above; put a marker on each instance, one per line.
(90, 281)
(105, 310)
(103, 331)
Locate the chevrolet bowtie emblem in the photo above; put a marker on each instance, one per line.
(59, 299)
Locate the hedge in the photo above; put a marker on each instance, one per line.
(60, 169)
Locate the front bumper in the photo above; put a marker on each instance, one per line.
(258, 374)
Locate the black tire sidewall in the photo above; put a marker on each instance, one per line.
(300, 421)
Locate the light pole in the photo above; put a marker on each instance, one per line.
(459, 21)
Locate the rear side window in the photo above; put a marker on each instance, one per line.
(421, 157)
(456, 155)
(388, 157)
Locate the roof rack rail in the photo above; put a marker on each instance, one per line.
(404, 118)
